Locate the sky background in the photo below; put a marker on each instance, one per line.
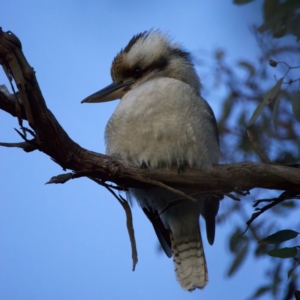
(70, 241)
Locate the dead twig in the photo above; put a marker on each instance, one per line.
(274, 201)
(28, 146)
(129, 221)
(166, 187)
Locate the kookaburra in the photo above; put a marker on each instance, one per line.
(161, 122)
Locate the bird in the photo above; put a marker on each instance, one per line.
(162, 122)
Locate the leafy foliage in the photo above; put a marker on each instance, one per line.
(270, 96)
(286, 252)
(280, 17)
(263, 95)
(279, 237)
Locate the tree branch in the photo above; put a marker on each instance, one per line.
(52, 139)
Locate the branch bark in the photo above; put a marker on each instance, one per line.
(52, 139)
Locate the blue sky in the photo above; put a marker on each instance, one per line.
(70, 241)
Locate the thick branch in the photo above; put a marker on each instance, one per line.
(54, 141)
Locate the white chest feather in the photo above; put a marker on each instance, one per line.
(163, 122)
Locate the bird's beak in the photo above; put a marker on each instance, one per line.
(111, 92)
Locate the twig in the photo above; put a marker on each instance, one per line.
(220, 196)
(274, 201)
(285, 196)
(164, 186)
(242, 193)
(26, 146)
(129, 221)
(130, 228)
(62, 178)
(17, 101)
(232, 197)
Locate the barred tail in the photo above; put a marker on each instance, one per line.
(189, 262)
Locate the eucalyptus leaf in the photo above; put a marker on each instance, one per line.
(275, 112)
(249, 67)
(279, 237)
(287, 252)
(240, 257)
(261, 291)
(269, 97)
(272, 94)
(258, 110)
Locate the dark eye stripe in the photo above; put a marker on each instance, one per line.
(137, 71)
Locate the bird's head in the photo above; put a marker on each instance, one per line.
(148, 55)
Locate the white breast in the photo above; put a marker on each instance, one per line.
(162, 122)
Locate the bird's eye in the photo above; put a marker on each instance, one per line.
(138, 70)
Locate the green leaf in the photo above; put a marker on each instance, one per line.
(261, 250)
(237, 241)
(238, 260)
(271, 24)
(283, 252)
(258, 110)
(273, 92)
(239, 2)
(279, 237)
(260, 291)
(270, 95)
(288, 204)
(275, 112)
(296, 105)
(249, 67)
